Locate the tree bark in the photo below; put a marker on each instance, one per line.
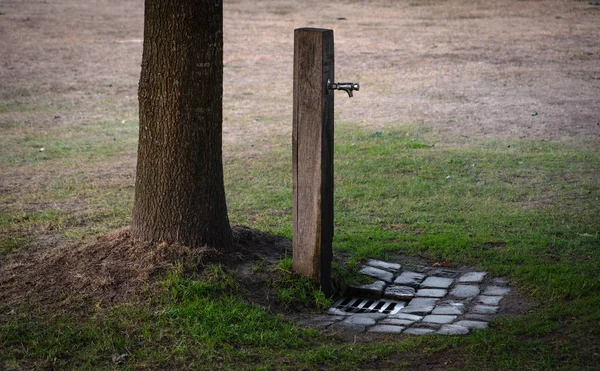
(179, 191)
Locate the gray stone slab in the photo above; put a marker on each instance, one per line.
(484, 309)
(472, 277)
(453, 330)
(406, 316)
(496, 291)
(372, 290)
(418, 331)
(377, 273)
(488, 300)
(417, 309)
(423, 301)
(472, 324)
(439, 319)
(465, 291)
(450, 308)
(387, 329)
(437, 282)
(374, 316)
(399, 292)
(337, 312)
(432, 293)
(354, 323)
(409, 279)
(391, 267)
(396, 322)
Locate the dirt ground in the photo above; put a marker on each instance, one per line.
(462, 69)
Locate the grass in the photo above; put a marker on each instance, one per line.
(525, 210)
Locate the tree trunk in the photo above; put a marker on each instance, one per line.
(179, 190)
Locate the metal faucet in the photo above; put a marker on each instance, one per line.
(345, 86)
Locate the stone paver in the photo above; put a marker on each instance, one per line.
(392, 267)
(375, 316)
(439, 319)
(453, 330)
(465, 291)
(431, 293)
(441, 301)
(396, 322)
(488, 300)
(388, 329)
(337, 312)
(358, 324)
(418, 331)
(484, 309)
(424, 301)
(437, 282)
(413, 279)
(472, 277)
(496, 291)
(417, 309)
(472, 324)
(399, 292)
(451, 308)
(406, 316)
(377, 273)
(372, 290)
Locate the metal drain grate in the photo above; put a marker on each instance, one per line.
(355, 305)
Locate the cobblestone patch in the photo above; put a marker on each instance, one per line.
(417, 301)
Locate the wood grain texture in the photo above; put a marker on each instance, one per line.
(179, 192)
(312, 153)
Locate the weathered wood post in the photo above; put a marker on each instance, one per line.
(312, 153)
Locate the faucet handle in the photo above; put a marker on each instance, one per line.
(348, 87)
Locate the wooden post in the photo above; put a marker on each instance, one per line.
(312, 153)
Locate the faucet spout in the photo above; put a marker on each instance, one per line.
(348, 87)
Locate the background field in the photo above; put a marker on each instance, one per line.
(473, 141)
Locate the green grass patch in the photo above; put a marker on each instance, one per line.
(525, 210)
(24, 145)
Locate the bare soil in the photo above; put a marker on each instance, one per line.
(464, 69)
(91, 277)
